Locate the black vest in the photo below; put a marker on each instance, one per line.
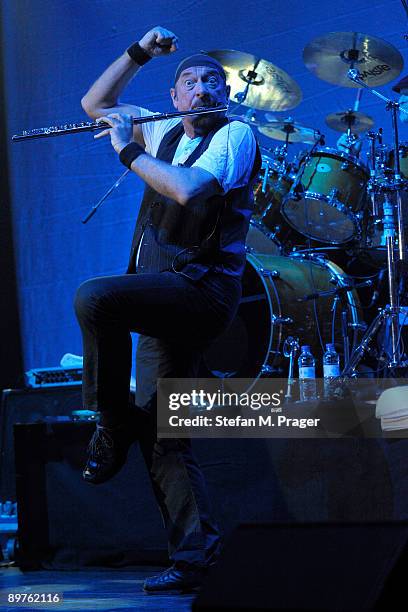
(192, 239)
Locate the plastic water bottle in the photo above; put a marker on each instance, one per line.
(331, 368)
(307, 374)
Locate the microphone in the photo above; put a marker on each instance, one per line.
(376, 292)
(339, 291)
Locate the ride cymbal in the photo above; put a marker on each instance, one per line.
(357, 122)
(262, 84)
(330, 57)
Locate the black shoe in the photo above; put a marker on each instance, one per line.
(176, 580)
(107, 452)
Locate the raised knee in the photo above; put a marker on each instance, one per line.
(87, 297)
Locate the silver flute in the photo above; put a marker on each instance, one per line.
(91, 126)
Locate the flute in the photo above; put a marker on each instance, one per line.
(90, 126)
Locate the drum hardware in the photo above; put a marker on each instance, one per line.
(281, 320)
(273, 183)
(256, 82)
(311, 254)
(290, 349)
(373, 137)
(363, 347)
(344, 332)
(329, 57)
(392, 230)
(250, 77)
(335, 292)
(334, 193)
(269, 273)
(360, 326)
(350, 122)
(297, 190)
(266, 176)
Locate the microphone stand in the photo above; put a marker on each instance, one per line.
(105, 195)
(392, 311)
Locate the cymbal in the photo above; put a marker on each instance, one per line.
(297, 132)
(270, 88)
(329, 57)
(358, 122)
(250, 119)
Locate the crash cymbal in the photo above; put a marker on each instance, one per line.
(329, 57)
(357, 122)
(278, 130)
(269, 87)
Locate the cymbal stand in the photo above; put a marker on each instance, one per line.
(296, 191)
(345, 334)
(290, 349)
(392, 311)
(105, 195)
(373, 137)
(350, 120)
(249, 79)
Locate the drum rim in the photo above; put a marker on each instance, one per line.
(311, 195)
(331, 151)
(341, 279)
(257, 266)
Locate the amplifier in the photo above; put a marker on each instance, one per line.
(54, 377)
(24, 406)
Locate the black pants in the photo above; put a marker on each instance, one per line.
(176, 318)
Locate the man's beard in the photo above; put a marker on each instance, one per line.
(204, 123)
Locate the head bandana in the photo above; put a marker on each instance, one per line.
(199, 59)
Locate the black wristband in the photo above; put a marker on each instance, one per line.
(137, 54)
(129, 153)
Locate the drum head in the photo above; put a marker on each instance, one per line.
(315, 218)
(259, 240)
(275, 304)
(241, 350)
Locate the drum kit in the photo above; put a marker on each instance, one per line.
(325, 201)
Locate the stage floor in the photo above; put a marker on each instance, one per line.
(99, 590)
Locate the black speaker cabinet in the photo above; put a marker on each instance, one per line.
(29, 406)
(249, 481)
(310, 566)
(64, 522)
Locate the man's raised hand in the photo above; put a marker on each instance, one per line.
(159, 41)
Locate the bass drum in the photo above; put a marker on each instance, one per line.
(273, 307)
